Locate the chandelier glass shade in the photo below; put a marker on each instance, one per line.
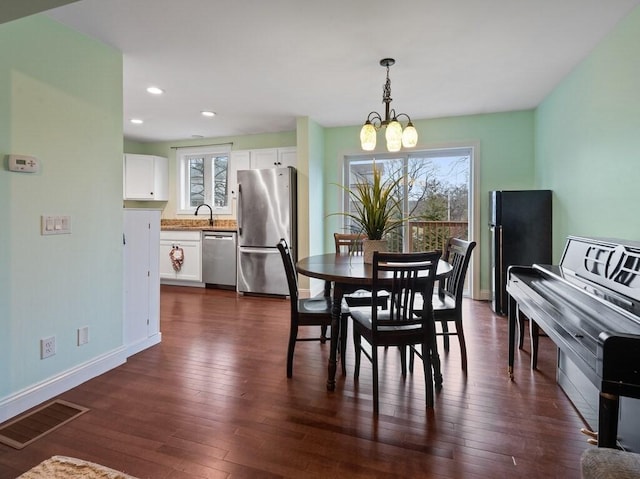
(368, 136)
(395, 135)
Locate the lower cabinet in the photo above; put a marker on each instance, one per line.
(181, 255)
(141, 301)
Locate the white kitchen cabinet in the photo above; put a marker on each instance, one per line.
(146, 177)
(265, 158)
(190, 243)
(273, 158)
(141, 325)
(287, 157)
(240, 160)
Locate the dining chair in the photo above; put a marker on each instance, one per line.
(314, 311)
(348, 243)
(447, 300)
(403, 276)
(352, 243)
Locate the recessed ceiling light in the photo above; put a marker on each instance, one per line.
(154, 90)
(208, 113)
(136, 121)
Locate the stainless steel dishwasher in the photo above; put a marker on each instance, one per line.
(219, 258)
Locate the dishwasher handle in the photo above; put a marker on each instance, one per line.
(218, 237)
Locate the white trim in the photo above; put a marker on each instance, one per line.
(182, 282)
(38, 393)
(134, 348)
(181, 177)
(474, 218)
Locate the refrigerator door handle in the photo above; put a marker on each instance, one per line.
(239, 213)
(500, 260)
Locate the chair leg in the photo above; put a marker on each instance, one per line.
(412, 353)
(445, 336)
(434, 361)
(428, 375)
(463, 344)
(327, 294)
(344, 329)
(358, 351)
(374, 364)
(323, 334)
(403, 360)
(293, 335)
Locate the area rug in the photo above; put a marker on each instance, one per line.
(25, 429)
(62, 467)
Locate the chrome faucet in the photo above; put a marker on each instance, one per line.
(210, 212)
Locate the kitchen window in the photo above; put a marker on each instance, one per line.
(203, 174)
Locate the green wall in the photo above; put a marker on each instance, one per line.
(60, 101)
(588, 141)
(505, 161)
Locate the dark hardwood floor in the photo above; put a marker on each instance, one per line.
(213, 401)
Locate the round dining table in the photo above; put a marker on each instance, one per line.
(348, 273)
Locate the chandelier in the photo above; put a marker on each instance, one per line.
(395, 135)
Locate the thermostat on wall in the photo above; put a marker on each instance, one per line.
(23, 163)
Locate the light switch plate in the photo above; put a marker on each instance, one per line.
(55, 224)
(83, 335)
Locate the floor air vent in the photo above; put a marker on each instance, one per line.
(23, 430)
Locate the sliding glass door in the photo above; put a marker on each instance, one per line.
(435, 192)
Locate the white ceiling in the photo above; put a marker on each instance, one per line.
(259, 64)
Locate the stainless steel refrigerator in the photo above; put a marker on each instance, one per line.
(267, 211)
(520, 229)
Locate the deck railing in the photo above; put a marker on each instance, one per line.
(433, 235)
(429, 235)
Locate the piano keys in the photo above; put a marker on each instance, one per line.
(589, 305)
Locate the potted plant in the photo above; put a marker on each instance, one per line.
(377, 210)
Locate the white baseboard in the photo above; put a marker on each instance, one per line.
(135, 348)
(38, 393)
(177, 282)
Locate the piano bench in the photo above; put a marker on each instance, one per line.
(604, 463)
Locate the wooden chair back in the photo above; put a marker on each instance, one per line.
(457, 253)
(290, 270)
(348, 242)
(402, 276)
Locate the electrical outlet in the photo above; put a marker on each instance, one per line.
(83, 335)
(47, 347)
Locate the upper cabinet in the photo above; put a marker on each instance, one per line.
(273, 158)
(146, 177)
(258, 159)
(287, 157)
